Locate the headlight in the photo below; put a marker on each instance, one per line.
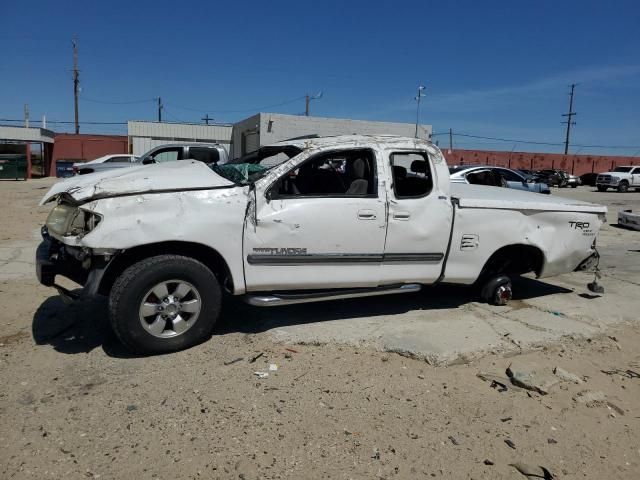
(66, 220)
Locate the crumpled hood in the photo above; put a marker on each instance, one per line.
(160, 177)
(482, 196)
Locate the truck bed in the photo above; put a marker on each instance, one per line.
(481, 196)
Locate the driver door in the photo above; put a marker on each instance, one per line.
(320, 225)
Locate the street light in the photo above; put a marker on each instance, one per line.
(421, 89)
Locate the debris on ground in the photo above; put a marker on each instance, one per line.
(253, 359)
(273, 367)
(510, 443)
(454, 440)
(261, 374)
(531, 377)
(615, 408)
(562, 374)
(235, 360)
(532, 472)
(623, 373)
(488, 462)
(495, 381)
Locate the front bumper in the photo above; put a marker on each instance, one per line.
(53, 259)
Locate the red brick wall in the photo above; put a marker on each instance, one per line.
(85, 147)
(574, 164)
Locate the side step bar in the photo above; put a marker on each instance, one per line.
(274, 300)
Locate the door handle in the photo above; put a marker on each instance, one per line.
(401, 215)
(366, 215)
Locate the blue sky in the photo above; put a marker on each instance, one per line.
(495, 69)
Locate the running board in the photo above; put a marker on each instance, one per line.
(276, 300)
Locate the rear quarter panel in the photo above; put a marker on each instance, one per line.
(565, 239)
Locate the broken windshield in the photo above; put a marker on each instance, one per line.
(253, 166)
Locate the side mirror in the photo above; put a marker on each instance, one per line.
(148, 160)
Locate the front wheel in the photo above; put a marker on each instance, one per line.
(164, 303)
(623, 187)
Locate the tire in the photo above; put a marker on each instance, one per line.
(574, 186)
(601, 189)
(497, 290)
(137, 313)
(623, 186)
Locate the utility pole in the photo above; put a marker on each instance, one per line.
(206, 119)
(160, 107)
(569, 116)
(76, 81)
(307, 101)
(450, 140)
(418, 97)
(26, 115)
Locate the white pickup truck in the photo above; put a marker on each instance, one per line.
(621, 178)
(300, 221)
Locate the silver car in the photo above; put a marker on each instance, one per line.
(512, 179)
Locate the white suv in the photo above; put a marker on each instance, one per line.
(622, 178)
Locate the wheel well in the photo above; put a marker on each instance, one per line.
(207, 255)
(514, 259)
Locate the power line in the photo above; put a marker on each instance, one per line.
(511, 140)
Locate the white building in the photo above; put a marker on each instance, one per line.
(261, 129)
(265, 128)
(143, 136)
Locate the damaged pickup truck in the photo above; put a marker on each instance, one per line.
(298, 221)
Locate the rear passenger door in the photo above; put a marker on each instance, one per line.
(419, 220)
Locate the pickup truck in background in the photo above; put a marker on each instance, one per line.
(209, 153)
(621, 178)
(302, 221)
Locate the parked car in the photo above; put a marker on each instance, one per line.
(621, 178)
(209, 153)
(589, 179)
(552, 177)
(337, 218)
(573, 181)
(512, 178)
(101, 164)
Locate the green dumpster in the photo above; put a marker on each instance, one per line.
(13, 166)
